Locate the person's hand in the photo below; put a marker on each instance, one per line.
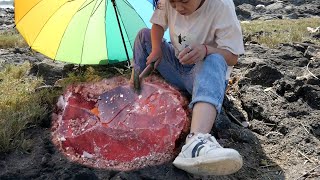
(192, 54)
(154, 56)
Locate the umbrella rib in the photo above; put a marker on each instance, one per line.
(65, 32)
(128, 4)
(105, 31)
(85, 5)
(35, 39)
(124, 27)
(125, 1)
(93, 10)
(117, 13)
(29, 11)
(97, 7)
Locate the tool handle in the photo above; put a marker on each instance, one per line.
(136, 81)
(147, 70)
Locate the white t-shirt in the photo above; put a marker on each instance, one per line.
(215, 24)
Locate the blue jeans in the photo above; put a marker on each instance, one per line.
(205, 80)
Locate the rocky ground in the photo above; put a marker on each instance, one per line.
(276, 90)
(276, 9)
(6, 19)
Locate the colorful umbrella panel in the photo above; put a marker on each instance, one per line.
(82, 31)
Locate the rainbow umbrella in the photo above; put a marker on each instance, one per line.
(83, 31)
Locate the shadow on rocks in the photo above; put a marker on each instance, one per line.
(231, 134)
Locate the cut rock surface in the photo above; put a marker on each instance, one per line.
(107, 125)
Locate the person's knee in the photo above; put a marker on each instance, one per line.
(213, 67)
(144, 33)
(214, 61)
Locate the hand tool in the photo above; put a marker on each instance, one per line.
(137, 76)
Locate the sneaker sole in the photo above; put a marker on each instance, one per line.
(204, 166)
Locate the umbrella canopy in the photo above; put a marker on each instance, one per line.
(83, 31)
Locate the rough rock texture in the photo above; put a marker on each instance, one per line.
(120, 129)
(276, 9)
(6, 18)
(272, 89)
(278, 93)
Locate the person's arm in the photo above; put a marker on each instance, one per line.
(157, 33)
(229, 57)
(159, 22)
(193, 54)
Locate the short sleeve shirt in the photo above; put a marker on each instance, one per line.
(215, 24)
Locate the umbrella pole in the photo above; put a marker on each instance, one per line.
(124, 43)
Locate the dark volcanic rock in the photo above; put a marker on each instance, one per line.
(6, 19)
(281, 97)
(274, 9)
(263, 75)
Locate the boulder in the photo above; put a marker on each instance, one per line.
(108, 125)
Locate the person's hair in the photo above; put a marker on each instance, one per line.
(155, 3)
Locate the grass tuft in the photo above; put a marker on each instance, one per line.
(274, 32)
(20, 106)
(11, 39)
(88, 75)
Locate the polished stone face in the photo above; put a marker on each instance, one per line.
(108, 125)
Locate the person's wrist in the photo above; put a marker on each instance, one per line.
(206, 48)
(156, 50)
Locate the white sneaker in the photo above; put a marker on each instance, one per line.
(203, 155)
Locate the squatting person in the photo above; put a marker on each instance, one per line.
(205, 42)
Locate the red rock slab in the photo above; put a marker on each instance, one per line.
(107, 125)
